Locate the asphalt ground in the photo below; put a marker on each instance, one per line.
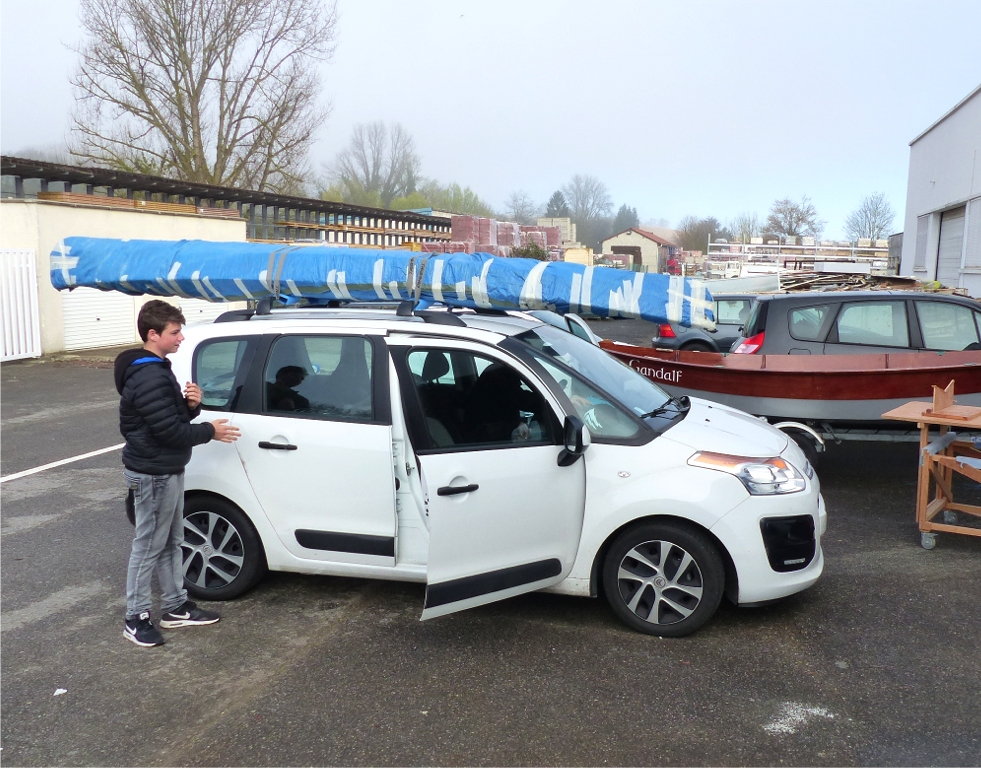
(878, 664)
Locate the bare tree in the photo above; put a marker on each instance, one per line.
(746, 226)
(521, 208)
(211, 91)
(587, 198)
(590, 206)
(792, 219)
(872, 219)
(380, 160)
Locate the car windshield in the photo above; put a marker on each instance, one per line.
(636, 393)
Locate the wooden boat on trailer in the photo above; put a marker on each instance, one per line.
(818, 396)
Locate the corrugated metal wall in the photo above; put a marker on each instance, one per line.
(21, 319)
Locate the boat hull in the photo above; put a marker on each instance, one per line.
(820, 388)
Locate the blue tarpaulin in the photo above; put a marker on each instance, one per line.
(236, 271)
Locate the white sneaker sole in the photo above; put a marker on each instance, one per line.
(132, 639)
(186, 623)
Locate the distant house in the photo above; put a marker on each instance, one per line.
(942, 238)
(640, 250)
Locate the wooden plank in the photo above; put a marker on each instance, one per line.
(962, 469)
(946, 528)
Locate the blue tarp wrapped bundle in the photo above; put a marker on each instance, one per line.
(236, 271)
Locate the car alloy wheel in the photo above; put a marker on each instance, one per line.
(223, 557)
(663, 579)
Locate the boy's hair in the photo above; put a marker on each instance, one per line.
(156, 315)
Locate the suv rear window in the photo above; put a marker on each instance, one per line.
(732, 311)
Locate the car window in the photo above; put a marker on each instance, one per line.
(472, 401)
(806, 322)
(579, 331)
(878, 323)
(732, 311)
(601, 417)
(325, 377)
(216, 367)
(946, 326)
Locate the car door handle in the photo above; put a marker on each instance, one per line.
(277, 446)
(453, 490)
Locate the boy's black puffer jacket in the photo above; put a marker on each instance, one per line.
(154, 417)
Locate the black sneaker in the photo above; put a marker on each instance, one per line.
(142, 632)
(188, 615)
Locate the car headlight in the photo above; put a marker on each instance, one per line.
(762, 477)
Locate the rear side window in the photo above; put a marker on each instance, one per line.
(877, 323)
(946, 326)
(216, 369)
(806, 323)
(327, 377)
(732, 311)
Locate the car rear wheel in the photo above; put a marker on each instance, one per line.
(663, 579)
(697, 346)
(223, 556)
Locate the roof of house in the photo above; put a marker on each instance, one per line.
(643, 233)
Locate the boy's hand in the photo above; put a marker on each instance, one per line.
(192, 392)
(225, 432)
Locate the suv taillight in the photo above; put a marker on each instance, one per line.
(665, 331)
(751, 346)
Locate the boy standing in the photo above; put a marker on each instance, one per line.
(155, 418)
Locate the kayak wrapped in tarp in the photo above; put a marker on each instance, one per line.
(236, 271)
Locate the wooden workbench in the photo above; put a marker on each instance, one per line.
(939, 462)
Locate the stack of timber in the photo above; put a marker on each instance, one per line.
(833, 281)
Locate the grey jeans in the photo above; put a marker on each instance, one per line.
(159, 503)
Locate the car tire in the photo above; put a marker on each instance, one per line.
(663, 579)
(223, 556)
(697, 346)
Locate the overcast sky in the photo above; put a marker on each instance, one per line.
(688, 107)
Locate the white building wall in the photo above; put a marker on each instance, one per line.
(41, 225)
(945, 173)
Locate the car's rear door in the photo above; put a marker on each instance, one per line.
(504, 517)
(316, 445)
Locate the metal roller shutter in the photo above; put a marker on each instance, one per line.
(201, 311)
(972, 237)
(951, 247)
(98, 319)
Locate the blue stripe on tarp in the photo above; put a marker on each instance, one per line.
(223, 271)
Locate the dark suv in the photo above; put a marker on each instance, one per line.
(731, 311)
(859, 322)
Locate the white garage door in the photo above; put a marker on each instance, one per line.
(201, 311)
(98, 319)
(951, 247)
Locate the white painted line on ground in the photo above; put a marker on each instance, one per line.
(54, 464)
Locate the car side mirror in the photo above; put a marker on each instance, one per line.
(575, 441)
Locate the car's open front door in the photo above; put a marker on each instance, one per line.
(504, 517)
(515, 530)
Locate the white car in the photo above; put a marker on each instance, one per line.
(485, 455)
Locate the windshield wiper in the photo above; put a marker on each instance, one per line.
(681, 404)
